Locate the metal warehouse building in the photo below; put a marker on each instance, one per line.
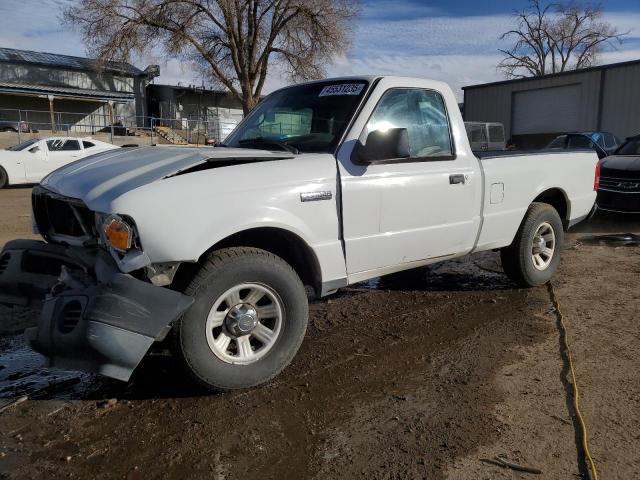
(60, 92)
(535, 110)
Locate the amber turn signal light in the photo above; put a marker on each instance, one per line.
(117, 233)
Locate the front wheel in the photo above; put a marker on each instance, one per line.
(534, 255)
(247, 322)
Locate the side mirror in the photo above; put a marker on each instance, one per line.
(34, 149)
(382, 145)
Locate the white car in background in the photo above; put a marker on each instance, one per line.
(32, 160)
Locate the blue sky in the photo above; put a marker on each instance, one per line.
(455, 41)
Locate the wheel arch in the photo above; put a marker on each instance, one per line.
(557, 198)
(284, 243)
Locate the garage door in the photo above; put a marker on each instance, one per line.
(546, 110)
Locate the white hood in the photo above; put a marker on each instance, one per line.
(105, 176)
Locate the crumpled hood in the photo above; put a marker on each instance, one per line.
(621, 166)
(109, 174)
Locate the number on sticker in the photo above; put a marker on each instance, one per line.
(342, 89)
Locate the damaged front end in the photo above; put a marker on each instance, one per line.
(94, 317)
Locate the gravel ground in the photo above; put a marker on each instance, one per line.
(422, 375)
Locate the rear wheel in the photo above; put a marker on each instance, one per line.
(534, 255)
(4, 178)
(248, 320)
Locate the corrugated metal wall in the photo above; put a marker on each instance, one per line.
(620, 101)
(30, 74)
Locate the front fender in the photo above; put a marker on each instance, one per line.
(180, 218)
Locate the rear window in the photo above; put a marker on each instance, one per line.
(288, 122)
(496, 133)
(86, 144)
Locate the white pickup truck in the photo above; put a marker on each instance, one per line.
(323, 185)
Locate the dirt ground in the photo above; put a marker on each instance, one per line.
(429, 374)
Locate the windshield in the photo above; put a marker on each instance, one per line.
(306, 118)
(23, 145)
(630, 147)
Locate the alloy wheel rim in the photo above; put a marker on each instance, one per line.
(244, 323)
(543, 246)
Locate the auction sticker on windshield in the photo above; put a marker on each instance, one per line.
(342, 89)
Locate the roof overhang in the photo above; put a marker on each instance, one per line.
(35, 90)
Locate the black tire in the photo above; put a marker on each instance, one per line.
(224, 269)
(4, 178)
(517, 261)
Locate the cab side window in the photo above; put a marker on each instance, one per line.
(423, 114)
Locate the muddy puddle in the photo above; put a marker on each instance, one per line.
(24, 372)
(612, 240)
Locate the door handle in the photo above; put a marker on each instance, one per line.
(456, 179)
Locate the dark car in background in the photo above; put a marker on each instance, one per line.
(619, 189)
(603, 143)
(8, 125)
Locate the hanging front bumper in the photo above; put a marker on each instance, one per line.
(93, 318)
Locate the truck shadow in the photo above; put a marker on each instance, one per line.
(478, 272)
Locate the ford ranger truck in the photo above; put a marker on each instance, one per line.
(323, 185)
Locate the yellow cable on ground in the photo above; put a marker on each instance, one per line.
(576, 393)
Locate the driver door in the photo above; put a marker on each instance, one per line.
(405, 211)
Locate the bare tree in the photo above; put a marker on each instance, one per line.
(234, 41)
(555, 37)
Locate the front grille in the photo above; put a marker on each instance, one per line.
(61, 218)
(618, 201)
(620, 184)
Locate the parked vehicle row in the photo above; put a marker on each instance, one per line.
(603, 143)
(32, 160)
(215, 246)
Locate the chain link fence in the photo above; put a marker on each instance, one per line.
(18, 125)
